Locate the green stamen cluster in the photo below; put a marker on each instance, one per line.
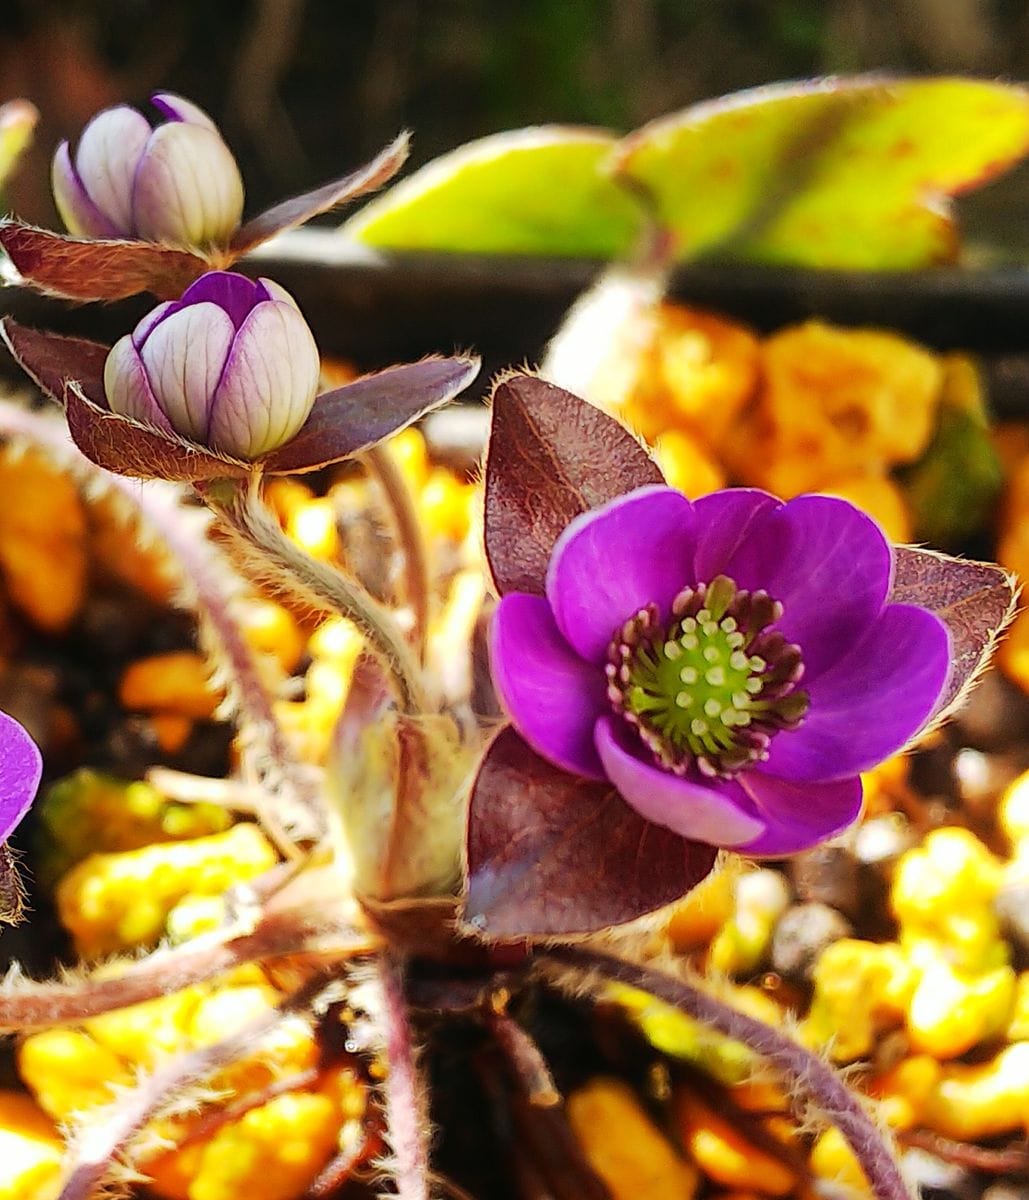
(712, 687)
(696, 688)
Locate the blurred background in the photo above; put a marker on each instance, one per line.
(304, 89)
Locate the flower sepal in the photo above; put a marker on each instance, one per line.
(551, 854)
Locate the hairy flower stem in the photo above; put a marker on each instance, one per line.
(100, 1148)
(807, 1075)
(382, 467)
(525, 1060)
(267, 752)
(407, 1118)
(336, 1172)
(205, 585)
(29, 1005)
(269, 559)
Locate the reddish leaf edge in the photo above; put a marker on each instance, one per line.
(473, 925)
(286, 461)
(495, 555)
(960, 695)
(34, 252)
(127, 447)
(864, 83)
(14, 334)
(288, 214)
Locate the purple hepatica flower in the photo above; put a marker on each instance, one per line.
(177, 184)
(20, 771)
(232, 366)
(730, 665)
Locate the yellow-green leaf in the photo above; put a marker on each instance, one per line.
(832, 173)
(531, 191)
(17, 121)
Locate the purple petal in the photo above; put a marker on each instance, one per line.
(611, 562)
(184, 357)
(798, 815)
(872, 702)
(236, 294)
(827, 563)
(187, 189)
(109, 152)
(127, 388)
(724, 520)
(21, 767)
(153, 318)
(720, 816)
(269, 384)
(175, 108)
(80, 215)
(552, 697)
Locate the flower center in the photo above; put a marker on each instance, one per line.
(711, 688)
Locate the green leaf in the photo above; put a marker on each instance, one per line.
(17, 121)
(531, 191)
(831, 173)
(953, 487)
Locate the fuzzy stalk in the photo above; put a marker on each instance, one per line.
(525, 1060)
(284, 781)
(407, 1117)
(269, 559)
(26, 1005)
(204, 584)
(381, 465)
(576, 967)
(336, 1172)
(99, 1150)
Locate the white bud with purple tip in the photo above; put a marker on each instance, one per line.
(177, 184)
(232, 365)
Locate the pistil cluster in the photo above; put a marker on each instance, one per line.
(712, 687)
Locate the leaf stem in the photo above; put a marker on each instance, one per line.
(381, 465)
(102, 1145)
(407, 1118)
(269, 559)
(28, 1005)
(806, 1073)
(205, 585)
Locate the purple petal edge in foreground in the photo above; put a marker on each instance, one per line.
(21, 767)
(554, 698)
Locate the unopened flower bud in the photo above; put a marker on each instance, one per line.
(177, 184)
(232, 365)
